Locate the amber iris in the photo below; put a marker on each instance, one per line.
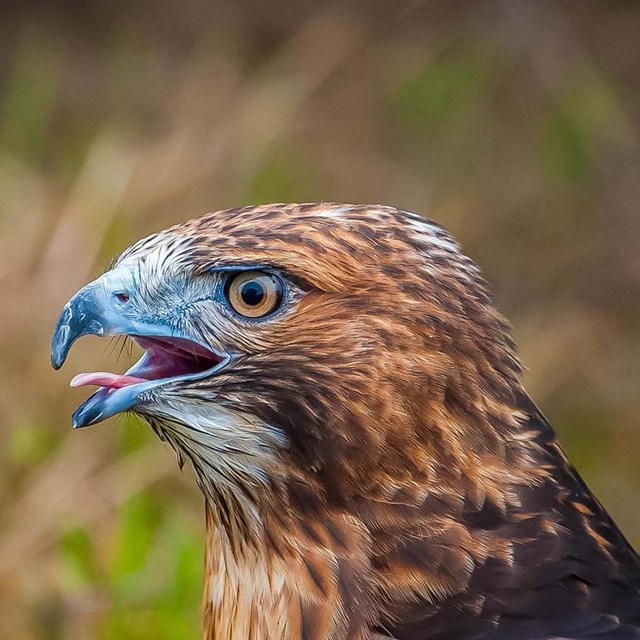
(254, 294)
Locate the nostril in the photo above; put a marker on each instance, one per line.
(121, 296)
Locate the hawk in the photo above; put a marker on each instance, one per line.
(350, 401)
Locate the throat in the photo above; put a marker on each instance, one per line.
(247, 590)
(299, 580)
(234, 459)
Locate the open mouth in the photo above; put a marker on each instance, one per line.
(167, 358)
(164, 358)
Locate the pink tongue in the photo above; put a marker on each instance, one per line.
(104, 379)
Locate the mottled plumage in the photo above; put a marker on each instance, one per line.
(371, 465)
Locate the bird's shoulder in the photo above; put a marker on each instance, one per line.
(557, 568)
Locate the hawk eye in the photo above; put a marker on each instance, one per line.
(253, 294)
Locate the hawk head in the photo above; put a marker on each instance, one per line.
(326, 342)
(349, 399)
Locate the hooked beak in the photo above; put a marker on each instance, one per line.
(86, 313)
(169, 355)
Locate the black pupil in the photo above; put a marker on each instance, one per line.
(252, 293)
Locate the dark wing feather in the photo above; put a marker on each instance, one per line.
(573, 576)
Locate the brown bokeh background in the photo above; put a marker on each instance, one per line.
(514, 123)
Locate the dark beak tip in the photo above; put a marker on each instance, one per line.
(77, 421)
(82, 315)
(59, 342)
(90, 412)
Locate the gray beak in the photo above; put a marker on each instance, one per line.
(93, 311)
(81, 316)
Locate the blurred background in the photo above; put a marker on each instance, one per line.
(514, 123)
